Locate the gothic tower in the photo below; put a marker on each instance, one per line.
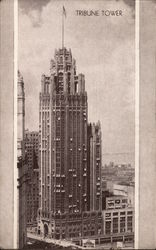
(63, 121)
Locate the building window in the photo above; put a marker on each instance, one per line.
(129, 224)
(108, 227)
(108, 215)
(115, 214)
(115, 225)
(122, 213)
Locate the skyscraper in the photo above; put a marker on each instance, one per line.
(31, 147)
(21, 164)
(63, 153)
(20, 115)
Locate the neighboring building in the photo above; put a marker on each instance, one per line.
(31, 147)
(120, 189)
(125, 190)
(111, 201)
(21, 164)
(117, 202)
(118, 221)
(118, 218)
(94, 166)
(63, 152)
(105, 194)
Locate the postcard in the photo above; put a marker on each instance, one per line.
(82, 133)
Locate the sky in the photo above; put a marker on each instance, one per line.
(104, 49)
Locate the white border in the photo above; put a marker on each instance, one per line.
(136, 231)
(15, 238)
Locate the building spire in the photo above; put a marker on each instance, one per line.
(63, 16)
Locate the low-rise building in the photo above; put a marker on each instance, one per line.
(117, 202)
(125, 190)
(118, 221)
(118, 218)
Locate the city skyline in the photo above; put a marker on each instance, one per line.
(109, 76)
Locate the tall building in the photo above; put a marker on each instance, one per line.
(20, 115)
(21, 164)
(31, 147)
(63, 154)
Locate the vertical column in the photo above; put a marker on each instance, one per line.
(147, 129)
(81, 83)
(7, 173)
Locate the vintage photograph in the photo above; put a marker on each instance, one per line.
(76, 124)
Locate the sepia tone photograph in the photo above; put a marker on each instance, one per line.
(76, 121)
(78, 152)
(77, 124)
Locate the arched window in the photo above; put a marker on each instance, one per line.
(69, 82)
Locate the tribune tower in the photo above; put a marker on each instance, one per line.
(63, 150)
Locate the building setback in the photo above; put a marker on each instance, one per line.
(66, 175)
(94, 166)
(31, 147)
(21, 165)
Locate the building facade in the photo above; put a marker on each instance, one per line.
(94, 166)
(125, 190)
(63, 152)
(21, 164)
(118, 218)
(31, 148)
(119, 221)
(117, 202)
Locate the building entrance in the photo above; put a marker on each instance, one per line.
(45, 230)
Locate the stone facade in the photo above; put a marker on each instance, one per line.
(118, 221)
(31, 147)
(94, 166)
(118, 218)
(63, 151)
